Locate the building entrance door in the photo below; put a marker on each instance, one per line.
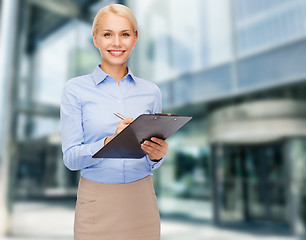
(251, 182)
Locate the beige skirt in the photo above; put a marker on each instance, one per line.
(116, 211)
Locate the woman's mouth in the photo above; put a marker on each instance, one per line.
(116, 53)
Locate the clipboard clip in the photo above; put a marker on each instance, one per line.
(167, 114)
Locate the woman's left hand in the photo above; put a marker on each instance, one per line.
(156, 148)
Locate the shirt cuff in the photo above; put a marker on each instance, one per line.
(154, 165)
(96, 146)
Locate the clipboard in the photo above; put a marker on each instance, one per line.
(127, 144)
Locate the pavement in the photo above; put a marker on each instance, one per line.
(53, 220)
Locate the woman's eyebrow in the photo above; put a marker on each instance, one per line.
(108, 30)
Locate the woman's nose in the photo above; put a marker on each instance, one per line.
(116, 41)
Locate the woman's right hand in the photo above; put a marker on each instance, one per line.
(122, 125)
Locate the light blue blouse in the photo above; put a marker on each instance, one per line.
(87, 107)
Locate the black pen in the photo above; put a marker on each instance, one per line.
(119, 116)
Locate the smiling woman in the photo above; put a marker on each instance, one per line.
(116, 198)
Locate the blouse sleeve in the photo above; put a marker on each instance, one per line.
(76, 154)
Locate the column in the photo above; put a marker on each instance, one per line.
(295, 153)
(9, 16)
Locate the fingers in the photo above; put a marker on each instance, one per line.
(155, 150)
(127, 120)
(159, 141)
(151, 147)
(157, 144)
(153, 153)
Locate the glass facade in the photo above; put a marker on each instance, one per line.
(274, 67)
(65, 54)
(266, 23)
(231, 46)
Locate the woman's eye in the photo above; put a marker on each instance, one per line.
(107, 35)
(125, 34)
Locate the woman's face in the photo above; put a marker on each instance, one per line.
(115, 39)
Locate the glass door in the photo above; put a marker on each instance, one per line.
(266, 185)
(251, 183)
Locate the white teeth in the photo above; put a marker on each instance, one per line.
(116, 52)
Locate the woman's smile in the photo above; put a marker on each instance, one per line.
(116, 53)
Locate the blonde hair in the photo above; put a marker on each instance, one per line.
(117, 9)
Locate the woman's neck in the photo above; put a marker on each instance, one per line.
(116, 72)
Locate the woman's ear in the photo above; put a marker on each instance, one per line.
(136, 38)
(136, 34)
(94, 39)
